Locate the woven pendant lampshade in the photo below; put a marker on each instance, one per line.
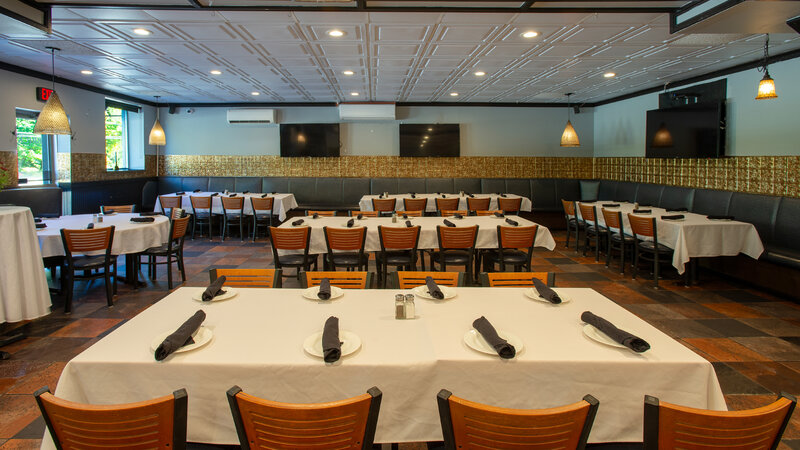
(53, 119)
(157, 136)
(569, 138)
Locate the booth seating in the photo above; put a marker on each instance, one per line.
(44, 201)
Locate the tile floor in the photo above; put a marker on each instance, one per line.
(751, 338)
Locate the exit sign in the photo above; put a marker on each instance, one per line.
(42, 94)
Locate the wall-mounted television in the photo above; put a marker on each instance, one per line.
(688, 131)
(309, 139)
(423, 140)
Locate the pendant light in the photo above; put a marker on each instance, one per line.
(766, 88)
(52, 119)
(157, 136)
(569, 138)
(662, 138)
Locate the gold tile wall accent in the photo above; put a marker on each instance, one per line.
(9, 160)
(771, 175)
(63, 167)
(92, 167)
(376, 166)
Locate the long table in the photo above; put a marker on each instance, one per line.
(694, 236)
(282, 203)
(23, 286)
(487, 230)
(258, 344)
(365, 204)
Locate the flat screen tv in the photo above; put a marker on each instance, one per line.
(691, 131)
(309, 139)
(430, 140)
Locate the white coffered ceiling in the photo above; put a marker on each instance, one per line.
(288, 56)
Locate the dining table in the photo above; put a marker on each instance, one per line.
(365, 204)
(24, 294)
(267, 341)
(281, 205)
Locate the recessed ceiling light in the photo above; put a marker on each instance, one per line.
(86, 72)
(530, 34)
(609, 74)
(480, 73)
(454, 94)
(142, 31)
(335, 33)
(255, 93)
(215, 72)
(425, 137)
(430, 129)
(348, 72)
(354, 94)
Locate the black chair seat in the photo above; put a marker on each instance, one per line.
(616, 238)
(263, 217)
(648, 245)
(293, 260)
(157, 251)
(512, 256)
(398, 258)
(348, 259)
(457, 257)
(591, 230)
(202, 215)
(90, 262)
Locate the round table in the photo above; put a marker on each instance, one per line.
(24, 294)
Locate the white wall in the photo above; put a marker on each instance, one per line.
(754, 127)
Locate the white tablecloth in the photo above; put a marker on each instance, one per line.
(23, 286)
(365, 204)
(258, 338)
(695, 236)
(487, 230)
(280, 206)
(129, 237)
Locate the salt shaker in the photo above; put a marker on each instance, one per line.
(399, 307)
(410, 307)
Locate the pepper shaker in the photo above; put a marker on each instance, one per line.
(399, 307)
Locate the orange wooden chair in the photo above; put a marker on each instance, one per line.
(478, 204)
(169, 202)
(450, 203)
(489, 212)
(398, 248)
(467, 424)
(172, 251)
(456, 247)
(201, 206)
(411, 213)
(344, 280)
(262, 213)
(509, 205)
(118, 209)
(363, 213)
(85, 267)
(573, 223)
(516, 279)
(292, 240)
(412, 279)
(156, 423)
(514, 247)
(618, 240)
(593, 232)
(383, 205)
(649, 250)
(415, 204)
(264, 423)
(255, 278)
(232, 214)
(453, 212)
(310, 212)
(346, 248)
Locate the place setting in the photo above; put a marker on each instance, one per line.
(331, 344)
(601, 330)
(432, 291)
(215, 293)
(484, 338)
(323, 292)
(189, 336)
(544, 294)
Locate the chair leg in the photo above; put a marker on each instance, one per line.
(109, 286)
(635, 260)
(169, 271)
(181, 266)
(70, 280)
(622, 257)
(655, 267)
(241, 228)
(568, 229)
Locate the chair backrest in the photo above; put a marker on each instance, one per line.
(255, 278)
(344, 280)
(311, 212)
(346, 423)
(413, 213)
(412, 279)
(200, 202)
(363, 213)
(233, 204)
(289, 238)
(588, 212)
(383, 204)
(457, 237)
(516, 237)
(160, 422)
(399, 238)
(669, 426)
(475, 204)
(118, 208)
(453, 212)
(178, 228)
(489, 212)
(613, 219)
(642, 226)
(170, 201)
(516, 279)
(509, 204)
(467, 424)
(345, 239)
(262, 204)
(446, 203)
(415, 204)
(569, 207)
(93, 240)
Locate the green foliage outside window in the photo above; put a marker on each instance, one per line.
(29, 145)
(114, 138)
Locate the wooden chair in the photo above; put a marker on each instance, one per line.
(668, 426)
(118, 209)
(346, 248)
(310, 212)
(363, 213)
(158, 423)
(202, 214)
(262, 213)
(516, 279)
(453, 212)
(514, 247)
(383, 205)
(648, 250)
(456, 247)
(173, 248)
(293, 240)
(415, 204)
(232, 214)
(168, 202)
(344, 280)
(489, 212)
(478, 204)
(509, 205)
(412, 279)
(593, 232)
(573, 223)
(93, 240)
(255, 278)
(346, 423)
(412, 213)
(618, 241)
(450, 203)
(467, 424)
(398, 248)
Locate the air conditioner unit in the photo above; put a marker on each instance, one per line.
(366, 111)
(252, 115)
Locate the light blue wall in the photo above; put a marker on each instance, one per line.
(754, 128)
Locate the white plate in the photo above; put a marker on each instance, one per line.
(422, 291)
(201, 337)
(475, 341)
(229, 293)
(534, 294)
(350, 343)
(596, 335)
(311, 293)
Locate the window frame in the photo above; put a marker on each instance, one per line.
(48, 149)
(123, 162)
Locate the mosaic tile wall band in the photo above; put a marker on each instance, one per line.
(9, 160)
(92, 167)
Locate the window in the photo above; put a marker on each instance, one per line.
(124, 136)
(34, 151)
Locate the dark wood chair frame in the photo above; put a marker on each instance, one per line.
(399, 257)
(232, 217)
(617, 241)
(456, 256)
(338, 257)
(593, 232)
(573, 222)
(259, 220)
(173, 248)
(641, 251)
(201, 218)
(303, 261)
(109, 266)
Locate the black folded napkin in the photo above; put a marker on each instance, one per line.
(497, 214)
(37, 220)
(264, 195)
(359, 216)
(214, 289)
(90, 226)
(182, 336)
(458, 216)
(380, 196)
(40, 225)
(470, 195)
(634, 343)
(180, 193)
(274, 192)
(439, 193)
(545, 292)
(405, 216)
(717, 217)
(143, 219)
(315, 216)
(677, 209)
(444, 196)
(408, 223)
(642, 211)
(448, 223)
(148, 214)
(350, 223)
(232, 195)
(298, 222)
(615, 201)
(642, 205)
(611, 205)
(433, 288)
(245, 192)
(512, 222)
(324, 292)
(501, 346)
(197, 190)
(503, 195)
(331, 345)
(413, 195)
(215, 194)
(673, 217)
